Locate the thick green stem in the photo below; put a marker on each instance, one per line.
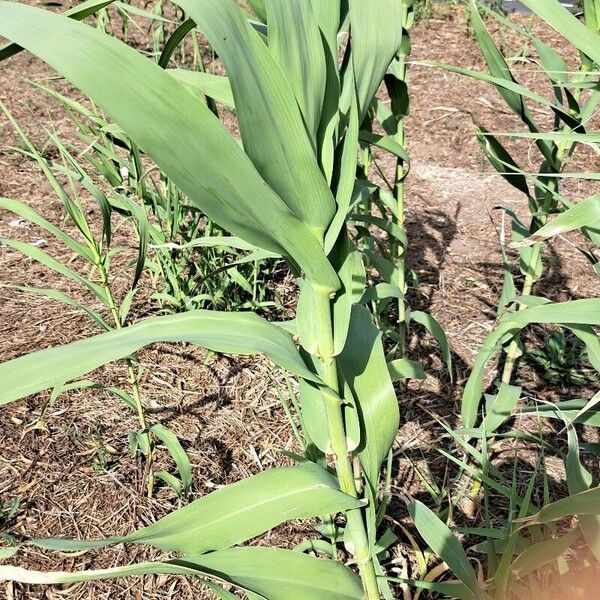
(132, 377)
(357, 533)
(400, 248)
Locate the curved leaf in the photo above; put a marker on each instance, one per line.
(181, 459)
(283, 574)
(59, 296)
(500, 408)
(366, 372)
(35, 253)
(498, 68)
(328, 14)
(216, 87)
(586, 502)
(232, 333)
(79, 12)
(576, 312)
(505, 84)
(234, 513)
(22, 210)
(435, 329)
(243, 510)
(589, 137)
(541, 553)
(442, 541)
(273, 573)
(403, 368)
(559, 18)
(230, 515)
(583, 214)
(176, 38)
(502, 161)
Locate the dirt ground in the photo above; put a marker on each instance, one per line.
(226, 411)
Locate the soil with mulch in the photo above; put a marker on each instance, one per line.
(74, 477)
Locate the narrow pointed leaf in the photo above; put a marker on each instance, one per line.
(234, 333)
(502, 161)
(584, 214)
(506, 84)
(442, 541)
(327, 13)
(376, 34)
(296, 43)
(216, 87)
(501, 407)
(176, 38)
(37, 254)
(59, 296)
(283, 574)
(22, 210)
(577, 312)
(537, 555)
(498, 68)
(589, 137)
(273, 573)
(351, 271)
(78, 13)
(439, 335)
(259, 8)
(559, 18)
(173, 445)
(582, 503)
(234, 513)
(346, 177)
(243, 510)
(551, 61)
(366, 373)
(449, 589)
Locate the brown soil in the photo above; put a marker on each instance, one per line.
(226, 411)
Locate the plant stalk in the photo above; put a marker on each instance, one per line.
(343, 457)
(400, 248)
(513, 349)
(132, 378)
(399, 189)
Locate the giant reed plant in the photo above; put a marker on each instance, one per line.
(572, 111)
(289, 191)
(555, 150)
(530, 543)
(303, 89)
(575, 101)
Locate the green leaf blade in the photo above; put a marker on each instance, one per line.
(235, 333)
